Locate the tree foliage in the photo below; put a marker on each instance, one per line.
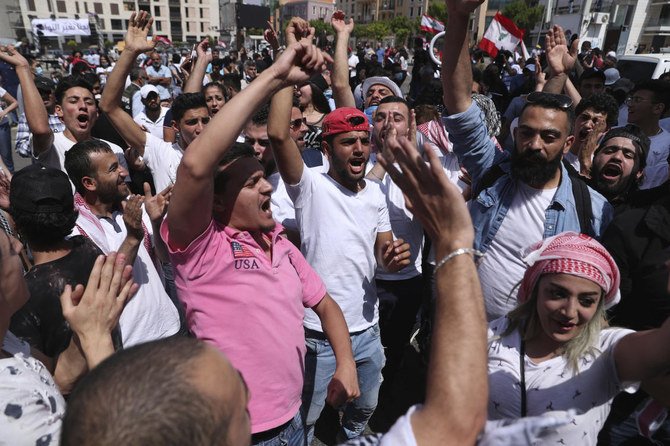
(523, 14)
(438, 10)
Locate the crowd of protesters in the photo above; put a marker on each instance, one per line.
(208, 249)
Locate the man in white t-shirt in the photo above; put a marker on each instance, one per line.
(75, 106)
(127, 226)
(646, 105)
(153, 115)
(345, 232)
(189, 117)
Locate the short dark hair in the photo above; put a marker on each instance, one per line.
(237, 151)
(232, 80)
(601, 103)
(185, 102)
(70, 82)
(260, 118)
(638, 138)
(660, 89)
(548, 102)
(592, 73)
(142, 395)
(135, 73)
(78, 160)
(44, 229)
(395, 100)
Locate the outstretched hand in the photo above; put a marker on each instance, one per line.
(94, 311)
(429, 195)
(271, 36)
(339, 23)
(156, 205)
(11, 56)
(297, 30)
(299, 62)
(138, 30)
(201, 50)
(560, 58)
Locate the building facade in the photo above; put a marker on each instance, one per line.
(178, 20)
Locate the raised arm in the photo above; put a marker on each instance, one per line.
(36, 114)
(643, 355)
(110, 103)
(194, 82)
(11, 105)
(192, 197)
(456, 65)
(454, 411)
(342, 93)
(286, 152)
(560, 58)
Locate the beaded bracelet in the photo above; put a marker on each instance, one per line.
(475, 253)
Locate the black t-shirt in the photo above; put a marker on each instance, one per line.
(40, 322)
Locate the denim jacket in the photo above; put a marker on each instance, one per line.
(477, 153)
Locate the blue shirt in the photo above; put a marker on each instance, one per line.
(477, 153)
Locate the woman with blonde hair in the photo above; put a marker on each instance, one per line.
(555, 354)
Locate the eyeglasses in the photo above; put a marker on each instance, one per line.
(261, 142)
(555, 100)
(637, 100)
(297, 123)
(204, 120)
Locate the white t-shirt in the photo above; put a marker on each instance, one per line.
(155, 128)
(665, 124)
(353, 63)
(338, 230)
(32, 408)
(163, 159)
(405, 226)
(656, 171)
(55, 156)
(150, 314)
(281, 204)
(502, 268)
(551, 386)
(103, 73)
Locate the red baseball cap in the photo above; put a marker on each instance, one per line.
(345, 119)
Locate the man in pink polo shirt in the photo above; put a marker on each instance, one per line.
(243, 285)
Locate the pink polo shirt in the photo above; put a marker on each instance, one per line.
(251, 308)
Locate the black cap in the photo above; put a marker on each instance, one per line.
(44, 84)
(39, 189)
(592, 73)
(635, 134)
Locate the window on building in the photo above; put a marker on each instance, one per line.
(157, 11)
(313, 9)
(186, 12)
(31, 5)
(419, 11)
(117, 24)
(97, 7)
(159, 25)
(86, 8)
(188, 27)
(76, 7)
(202, 27)
(127, 6)
(202, 13)
(411, 11)
(60, 6)
(114, 8)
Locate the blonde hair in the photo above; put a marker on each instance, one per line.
(525, 318)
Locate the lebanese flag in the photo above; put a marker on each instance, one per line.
(431, 25)
(502, 34)
(163, 39)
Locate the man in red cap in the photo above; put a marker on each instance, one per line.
(345, 232)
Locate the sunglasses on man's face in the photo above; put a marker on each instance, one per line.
(559, 100)
(261, 142)
(297, 123)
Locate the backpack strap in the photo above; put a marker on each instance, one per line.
(488, 179)
(580, 191)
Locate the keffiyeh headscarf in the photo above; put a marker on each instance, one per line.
(575, 254)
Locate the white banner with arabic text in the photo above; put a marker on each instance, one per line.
(61, 27)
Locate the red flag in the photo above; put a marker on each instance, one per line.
(502, 34)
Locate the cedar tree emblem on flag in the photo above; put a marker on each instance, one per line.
(431, 25)
(502, 34)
